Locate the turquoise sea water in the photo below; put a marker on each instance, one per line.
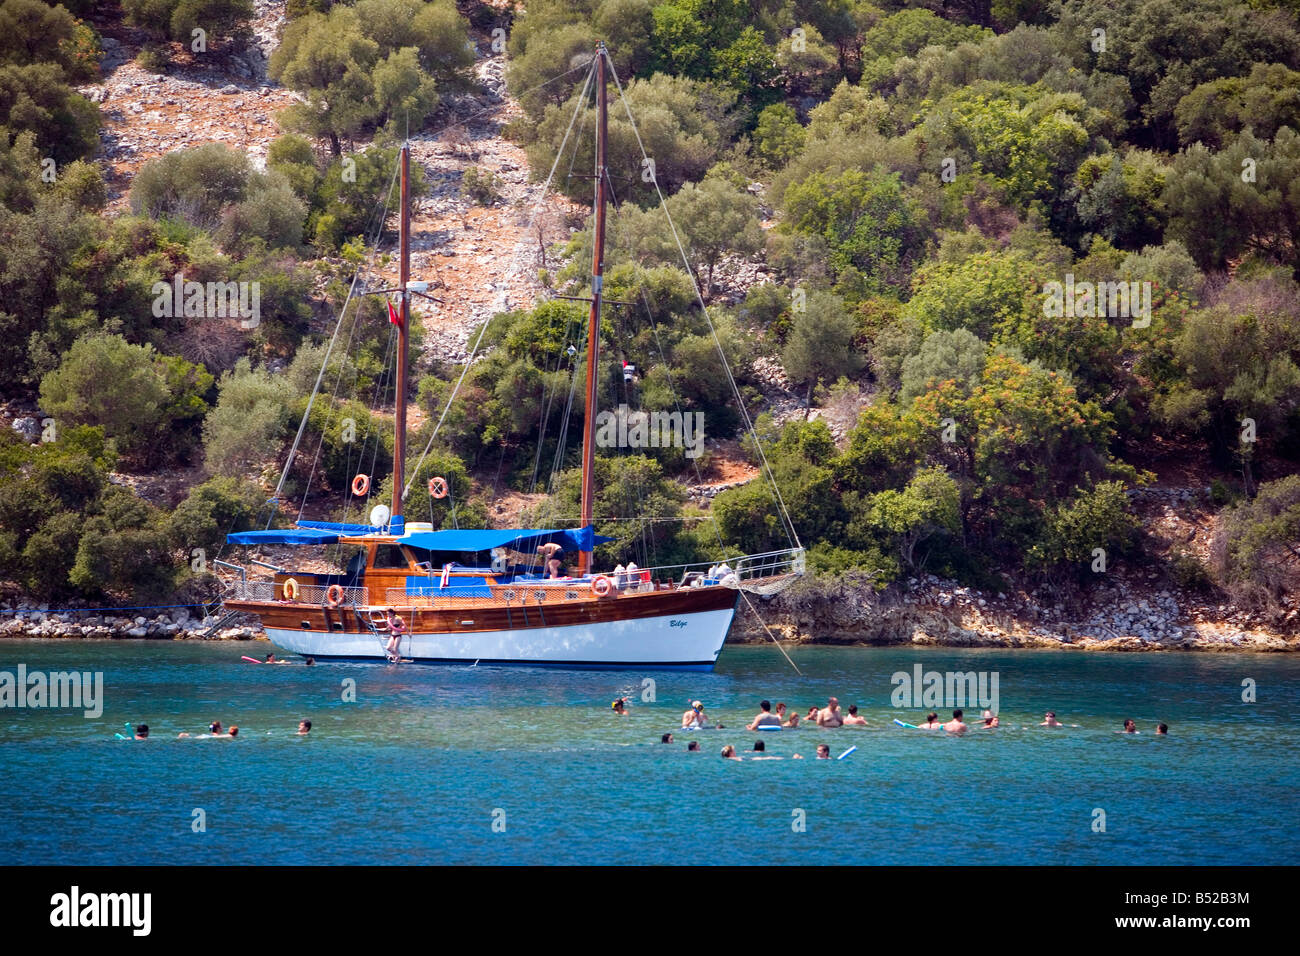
(419, 767)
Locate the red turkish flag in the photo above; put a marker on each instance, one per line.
(393, 316)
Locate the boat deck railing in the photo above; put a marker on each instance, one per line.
(765, 573)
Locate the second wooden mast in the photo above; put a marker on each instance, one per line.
(593, 329)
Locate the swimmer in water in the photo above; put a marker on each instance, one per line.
(141, 732)
(695, 718)
(829, 716)
(310, 661)
(1162, 730)
(780, 713)
(853, 720)
(823, 752)
(1130, 727)
(764, 717)
(956, 725)
(619, 706)
(271, 659)
(931, 722)
(1049, 720)
(666, 739)
(990, 719)
(729, 753)
(304, 728)
(813, 711)
(793, 722)
(694, 747)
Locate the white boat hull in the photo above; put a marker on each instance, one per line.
(691, 640)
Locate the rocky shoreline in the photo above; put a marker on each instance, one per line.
(933, 612)
(843, 611)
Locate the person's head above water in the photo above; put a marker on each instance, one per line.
(765, 706)
(956, 714)
(853, 709)
(931, 717)
(142, 730)
(823, 751)
(760, 745)
(214, 727)
(233, 731)
(693, 745)
(304, 726)
(728, 751)
(1162, 729)
(666, 739)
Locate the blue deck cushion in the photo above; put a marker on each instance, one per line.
(458, 587)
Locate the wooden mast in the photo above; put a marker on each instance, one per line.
(403, 336)
(593, 330)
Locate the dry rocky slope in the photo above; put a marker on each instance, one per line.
(483, 259)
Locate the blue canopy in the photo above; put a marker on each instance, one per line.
(284, 536)
(517, 539)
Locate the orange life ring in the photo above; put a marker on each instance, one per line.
(438, 487)
(289, 589)
(334, 595)
(600, 585)
(360, 485)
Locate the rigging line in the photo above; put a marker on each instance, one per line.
(754, 611)
(548, 402)
(744, 412)
(320, 375)
(536, 206)
(491, 109)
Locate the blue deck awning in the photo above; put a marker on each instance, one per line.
(471, 540)
(517, 539)
(284, 536)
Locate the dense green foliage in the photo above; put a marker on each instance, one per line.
(928, 188)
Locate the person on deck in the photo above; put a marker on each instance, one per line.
(396, 629)
(551, 563)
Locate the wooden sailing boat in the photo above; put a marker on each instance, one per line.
(459, 595)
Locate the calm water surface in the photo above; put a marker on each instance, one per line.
(417, 769)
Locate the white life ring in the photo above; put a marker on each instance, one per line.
(600, 585)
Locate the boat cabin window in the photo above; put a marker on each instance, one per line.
(390, 556)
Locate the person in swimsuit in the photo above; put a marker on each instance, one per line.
(823, 752)
(1162, 730)
(666, 739)
(694, 747)
(695, 718)
(780, 712)
(853, 720)
(990, 719)
(793, 722)
(813, 711)
(1130, 727)
(956, 725)
(620, 706)
(141, 732)
(304, 728)
(764, 717)
(729, 753)
(829, 716)
(931, 722)
(1049, 720)
(396, 629)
